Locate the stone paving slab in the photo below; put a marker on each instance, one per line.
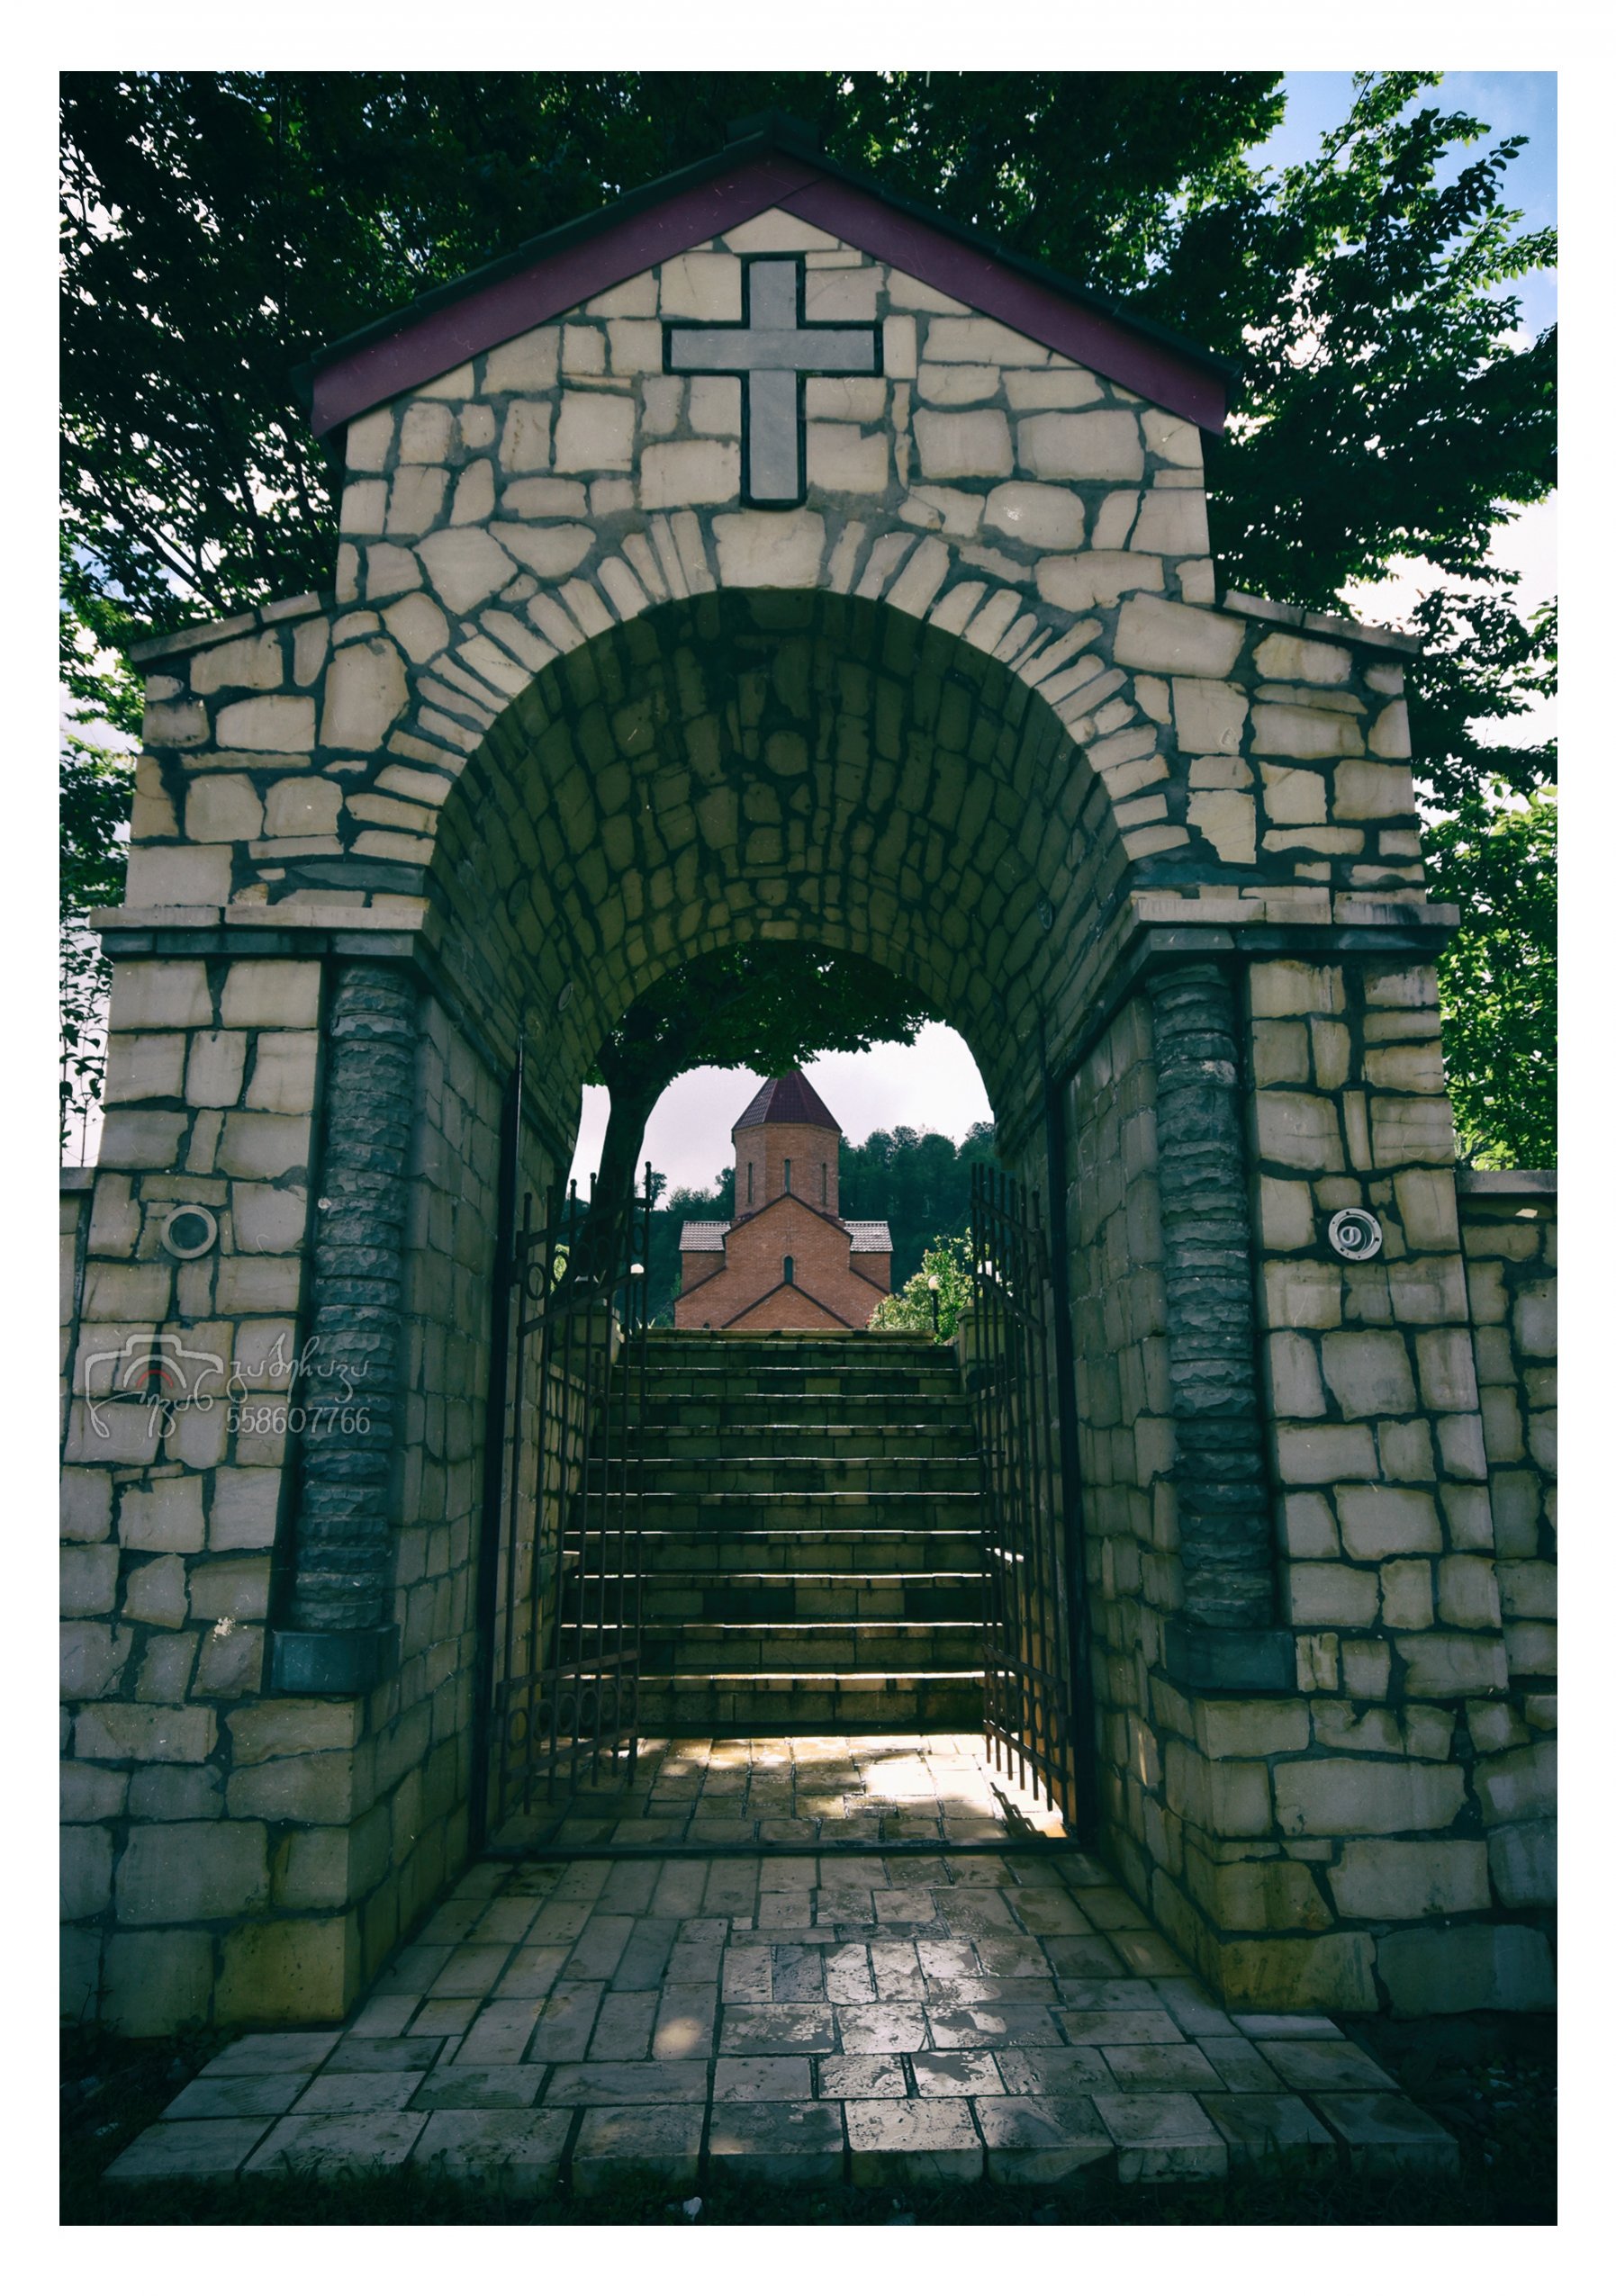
(694, 1791)
(955, 2036)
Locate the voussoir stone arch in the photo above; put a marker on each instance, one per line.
(780, 764)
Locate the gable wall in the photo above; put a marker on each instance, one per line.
(752, 1266)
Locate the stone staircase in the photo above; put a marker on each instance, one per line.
(812, 1545)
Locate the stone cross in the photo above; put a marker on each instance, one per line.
(772, 351)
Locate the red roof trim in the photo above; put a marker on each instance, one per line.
(441, 338)
(1091, 338)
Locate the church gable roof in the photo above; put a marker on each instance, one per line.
(703, 1235)
(868, 1235)
(769, 163)
(785, 1100)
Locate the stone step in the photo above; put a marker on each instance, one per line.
(870, 1437)
(726, 1473)
(784, 1596)
(778, 1513)
(821, 1387)
(811, 1514)
(790, 1342)
(856, 1550)
(784, 1703)
(703, 1646)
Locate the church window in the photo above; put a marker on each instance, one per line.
(787, 1176)
(790, 1267)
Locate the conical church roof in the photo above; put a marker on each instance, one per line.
(787, 1100)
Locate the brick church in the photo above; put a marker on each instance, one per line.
(786, 1261)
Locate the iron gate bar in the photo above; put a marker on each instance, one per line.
(1027, 1686)
(566, 1700)
(1074, 1539)
(490, 1543)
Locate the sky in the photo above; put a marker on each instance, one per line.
(934, 1084)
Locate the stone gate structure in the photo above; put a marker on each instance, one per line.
(762, 556)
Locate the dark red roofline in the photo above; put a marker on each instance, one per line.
(776, 164)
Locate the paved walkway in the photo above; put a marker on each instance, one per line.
(790, 2017)
(702, 1792)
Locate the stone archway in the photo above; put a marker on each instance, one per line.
(778, 763)
(976, 706)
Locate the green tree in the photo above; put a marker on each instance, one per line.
(934, 1298)
(1498, 980)
(918, 1183)
(96, 784)
(218, 225)
(768, 1005)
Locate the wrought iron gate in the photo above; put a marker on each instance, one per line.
(566, 1604)
(1032, 1586)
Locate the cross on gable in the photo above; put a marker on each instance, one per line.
(773, 350)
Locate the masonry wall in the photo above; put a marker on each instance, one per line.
(535, 526)
(420, 1721)
(174, 1858)
(1509, 1228)
(1376, 1839)
(1125, 1434)
(228, 1852)
(814, 1155)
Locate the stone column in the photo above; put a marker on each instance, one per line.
(338, 1634)
(1226, 1637)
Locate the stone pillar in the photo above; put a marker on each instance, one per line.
(338, 1634)
(1225, 1637)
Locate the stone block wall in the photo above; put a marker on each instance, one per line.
(1372, 1835)
(1126, 1433)
(171, 1509)
(419, 1721)
(230, 1851)
(78, 1188)
(1508, 1224)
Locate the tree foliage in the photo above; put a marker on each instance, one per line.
(218, 226)
(1498, 980)
(95, 782)
(767, 1006)
(918, 1183)
(934, 1298)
